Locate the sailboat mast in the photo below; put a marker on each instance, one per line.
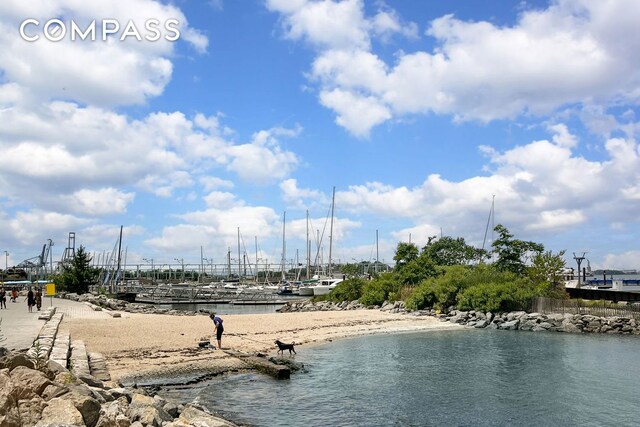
(375, 270)
(256, 239)
(119, 256)
(333, 200)
(239, 259)
(284, 245)
(308, 246)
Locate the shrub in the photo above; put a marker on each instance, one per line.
(440, 292)
(384, 288)
(496, 297)
(347, 290)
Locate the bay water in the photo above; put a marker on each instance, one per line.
(447, 378)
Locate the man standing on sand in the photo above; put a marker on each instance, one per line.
(218, 328)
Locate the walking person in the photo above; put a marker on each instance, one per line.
(14, 294)
(217, 328)
(30, 300)
(3, 298)
(38, 298)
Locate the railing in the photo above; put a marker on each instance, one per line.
(600, 308)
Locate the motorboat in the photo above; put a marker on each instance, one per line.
(325, 286)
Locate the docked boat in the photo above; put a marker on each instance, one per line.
(325, 286)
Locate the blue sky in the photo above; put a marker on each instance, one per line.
(417, 112)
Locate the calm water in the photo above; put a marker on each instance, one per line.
(452, 378)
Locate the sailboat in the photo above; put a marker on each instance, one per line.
(284, 287)
(327, 284)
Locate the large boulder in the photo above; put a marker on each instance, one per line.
(146, 410)
(113, 414)
(28, 382)
(9, 415)
(60, 412)
(54, 390)
(30, 411)
(88, 407)
(13, 360)
(192, 416)
(509, 325)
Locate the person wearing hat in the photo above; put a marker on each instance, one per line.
(218, 328)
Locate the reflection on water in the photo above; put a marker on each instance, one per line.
(459, 378)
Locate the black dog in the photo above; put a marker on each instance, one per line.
(282, 347)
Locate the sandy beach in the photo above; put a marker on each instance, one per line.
(155, 344)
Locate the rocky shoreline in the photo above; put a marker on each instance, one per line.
(515, 320)
(51, 395)
(537, 322)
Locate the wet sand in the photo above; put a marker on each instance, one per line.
(154, 344)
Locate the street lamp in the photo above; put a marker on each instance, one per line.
(153, 272)
(182, 263)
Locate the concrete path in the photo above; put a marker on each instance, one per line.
(20, 328)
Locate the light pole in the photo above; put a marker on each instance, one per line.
(6, 263)
(153, 272)
(182, 263)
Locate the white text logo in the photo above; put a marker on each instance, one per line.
(56, 30)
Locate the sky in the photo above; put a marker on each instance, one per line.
(418, 113)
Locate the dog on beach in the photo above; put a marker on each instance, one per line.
(282, 347)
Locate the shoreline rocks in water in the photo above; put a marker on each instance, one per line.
(537, 322)
(308, 305)
(55, 396)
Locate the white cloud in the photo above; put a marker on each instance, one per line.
(100, 73)
(629, 260)
(210, 183)
(540, 188)
(301, 197)
(572, 52)
(356, 113)
(324, 23)
(386, 23)
(95, 72)
(102, 149)
(105, 201)
(263, 161)
(222, 200)
(562, 136)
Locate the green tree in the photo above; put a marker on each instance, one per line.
(78, 275)
(347, 290)
(513, 254)
(405, 253)
(350, 270)
(450, 251)
(384, 288)
(546, 274)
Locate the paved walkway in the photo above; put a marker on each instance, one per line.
(20, 328)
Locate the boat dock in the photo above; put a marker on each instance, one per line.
(186, 293)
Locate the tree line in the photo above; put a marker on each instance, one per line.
(447, 272)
